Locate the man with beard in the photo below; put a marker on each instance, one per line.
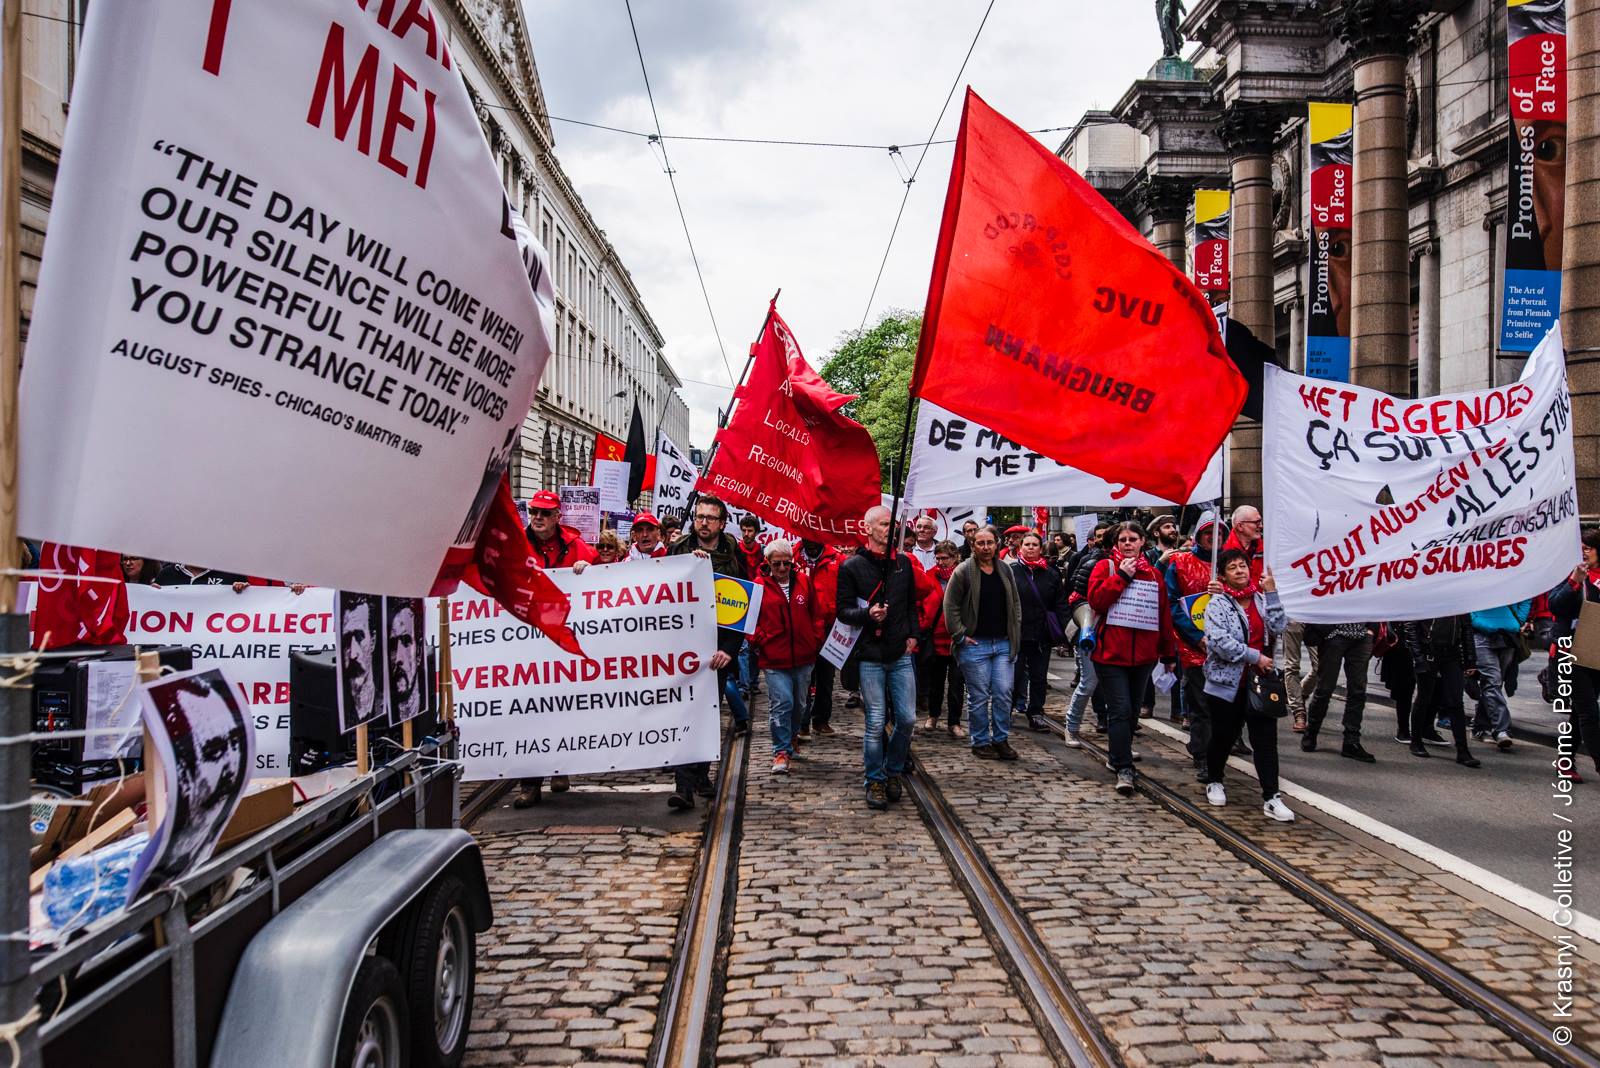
(1163, 531)
(360, 669)
(405, 657)
(211, 757)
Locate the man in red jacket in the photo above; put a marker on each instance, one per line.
(788, 636)
(646, 537)
(556, 546)
(1246, 537)
(1189, 573)
(821, 565)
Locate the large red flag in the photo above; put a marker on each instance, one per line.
(82, 598)
(787, 454)
(501, 564)
(1052, 322)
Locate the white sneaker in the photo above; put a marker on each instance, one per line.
(1216, 794)
(1277, 810)
(1073, 741)
(1503, 740)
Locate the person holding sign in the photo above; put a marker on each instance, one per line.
(1189, 581)
(1241, 624)
(984, 615)
(1135, 632)
(786, 641)
(646, 536)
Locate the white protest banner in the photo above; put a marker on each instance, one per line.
(611, 479)
(250, 634)
(675, 478)
(947, 522)
(644, 697)
(280, 262)
(1083, 527)
(1382, 508)
(1139, 607)
(767, 533)
(841, 641)
(580, 510)
(956, 461)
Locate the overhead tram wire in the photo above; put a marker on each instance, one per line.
(926, 145)
(673, 182)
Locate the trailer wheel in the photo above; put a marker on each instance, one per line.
(373, 1034)
(441, 975)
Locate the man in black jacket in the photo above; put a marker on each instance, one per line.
(877, 592)
(707, 539)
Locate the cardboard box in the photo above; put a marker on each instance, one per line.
(266, 804)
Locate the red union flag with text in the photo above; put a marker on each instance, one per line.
(1051, 321)
(787, 454)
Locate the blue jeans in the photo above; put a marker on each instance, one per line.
(986, 665)
(1086, 686)
(747, 665)
(786, 695)
(883, 685)
(730, 689)
(1496, 662)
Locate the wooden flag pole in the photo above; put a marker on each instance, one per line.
(447, 685)
(363, 756)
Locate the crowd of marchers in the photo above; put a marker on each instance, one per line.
(961, 636)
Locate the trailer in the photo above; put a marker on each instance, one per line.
(344, 935)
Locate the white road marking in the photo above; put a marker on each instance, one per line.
(1536, 903)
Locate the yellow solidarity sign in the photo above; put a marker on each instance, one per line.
(733, 602)
(1197, 611)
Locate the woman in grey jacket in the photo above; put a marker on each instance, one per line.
(1241, 623)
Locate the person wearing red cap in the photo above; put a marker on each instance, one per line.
(646, 536)
(556, 546)
(1013, 547)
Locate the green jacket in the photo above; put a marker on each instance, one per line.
(961, 604)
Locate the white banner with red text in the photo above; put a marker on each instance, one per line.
(643, 696)
(1383, 508)
(955, 461)
(287, 324)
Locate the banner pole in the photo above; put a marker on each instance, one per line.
(17, 991)
(1222, 504)
(748, 360)
(896, 535)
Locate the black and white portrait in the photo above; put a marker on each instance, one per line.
(404, 646)
(206, 744)
(362, 695)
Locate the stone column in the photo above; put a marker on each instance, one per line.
(1580, 260)
(1380, 279)
(1428, 320)
(1248, 131)
(1166, 201)
(1297, 336)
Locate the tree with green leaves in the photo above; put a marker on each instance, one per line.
(876, 365)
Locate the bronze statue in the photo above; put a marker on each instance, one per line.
(1169, 15)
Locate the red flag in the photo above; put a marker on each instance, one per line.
(607, 447)
(83, 599)
(1052, 322)
(787, 454)
(501, 564)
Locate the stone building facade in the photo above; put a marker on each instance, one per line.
(606, 342)
(1429, 83)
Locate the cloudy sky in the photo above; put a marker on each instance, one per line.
(813, 221)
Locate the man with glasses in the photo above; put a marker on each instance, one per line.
(556, 546)
(1246, 537)
(708, 540)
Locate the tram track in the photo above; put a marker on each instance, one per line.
(1526, 1029)
(483, 799)
(691, 1002)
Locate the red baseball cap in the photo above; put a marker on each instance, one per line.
(545, 499)
(645, 519)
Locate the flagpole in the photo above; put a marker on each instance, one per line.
(1222, 504)
(748, 360)
(899, 475)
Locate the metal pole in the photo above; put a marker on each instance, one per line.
(728, 413)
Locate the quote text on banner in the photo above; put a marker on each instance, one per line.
(1383, 508)
(955, 461)
(645, 696)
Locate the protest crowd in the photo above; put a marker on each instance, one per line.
(959, 638)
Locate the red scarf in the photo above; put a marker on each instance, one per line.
(1037, 565)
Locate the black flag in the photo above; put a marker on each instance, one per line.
(635, 454)
(1249, 354)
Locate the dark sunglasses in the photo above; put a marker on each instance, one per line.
(545, 512)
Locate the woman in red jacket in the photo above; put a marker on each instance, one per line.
(1133, 632)
(945, 683)
(788, 637)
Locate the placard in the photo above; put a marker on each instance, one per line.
(738, 604)
(1139, 607)
(611, 479)
(644, 696)
(280, 261)
(955, 461)
(580, 510)
(840, 644)
(1385, 508)
(1083, 527)
(675, 478)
